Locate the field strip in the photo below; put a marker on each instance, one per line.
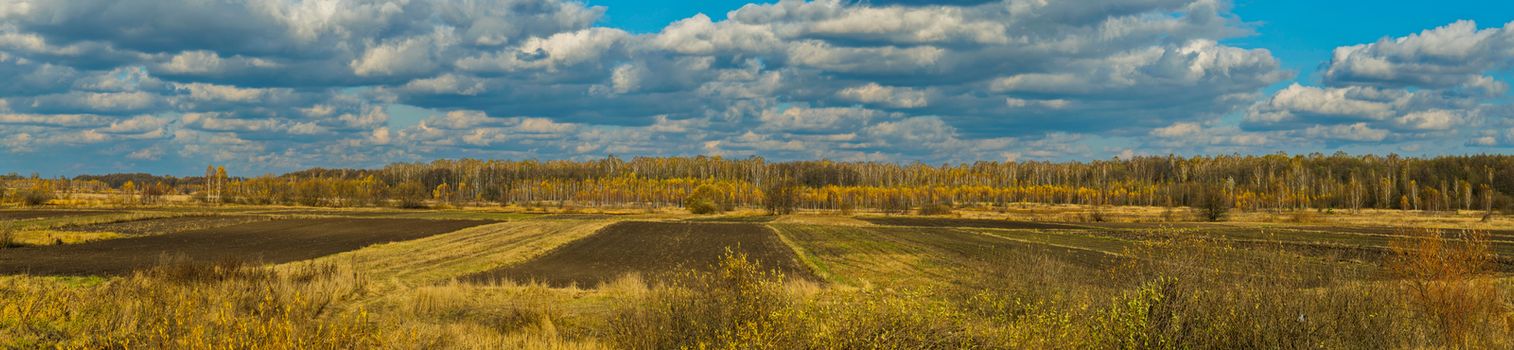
(991, 233)
(898, 257)
(1496, 240)
(819, 268)
(1313, 236)
(1495, 235)
(477, 249)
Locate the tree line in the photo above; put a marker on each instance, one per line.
(1264, 182)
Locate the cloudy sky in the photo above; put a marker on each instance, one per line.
(167, 86)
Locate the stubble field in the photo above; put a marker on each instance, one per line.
(444, 279)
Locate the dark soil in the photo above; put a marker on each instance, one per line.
(653, 249)
(266, 242)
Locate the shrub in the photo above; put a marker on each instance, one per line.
(704, 200)
(35, 196)
(701, 206)
(1097, 215)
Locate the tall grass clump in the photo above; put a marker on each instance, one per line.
(1192, 292)
(1449, 283)
(8, 235)
(737, 305)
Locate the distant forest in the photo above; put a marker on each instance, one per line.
(1269, 182)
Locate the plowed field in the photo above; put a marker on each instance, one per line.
(269, 242)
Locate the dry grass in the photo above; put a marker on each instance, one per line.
(226, 305)
(8, 237)
(1450, 284)
(52, 237)
(1172, 291)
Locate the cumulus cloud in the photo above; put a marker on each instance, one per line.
(1436, 84)
(1457, 54)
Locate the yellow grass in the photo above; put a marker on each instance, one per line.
(51, 237)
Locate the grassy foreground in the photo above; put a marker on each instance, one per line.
(887, 287)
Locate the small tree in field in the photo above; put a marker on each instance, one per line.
(782, 197)
(1213, 204)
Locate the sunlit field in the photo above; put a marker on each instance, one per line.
(1032, 276)
(756, 174)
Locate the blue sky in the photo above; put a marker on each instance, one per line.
(167, 86)
(1301, 33)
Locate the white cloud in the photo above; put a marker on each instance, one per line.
(406, 56)
(1176, 130)
(447, 84)
(1430, 120)
(1447, 56)
(1358, 132)
(212, 92)
(818, 119)
(896, 97)
(1352, 102)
